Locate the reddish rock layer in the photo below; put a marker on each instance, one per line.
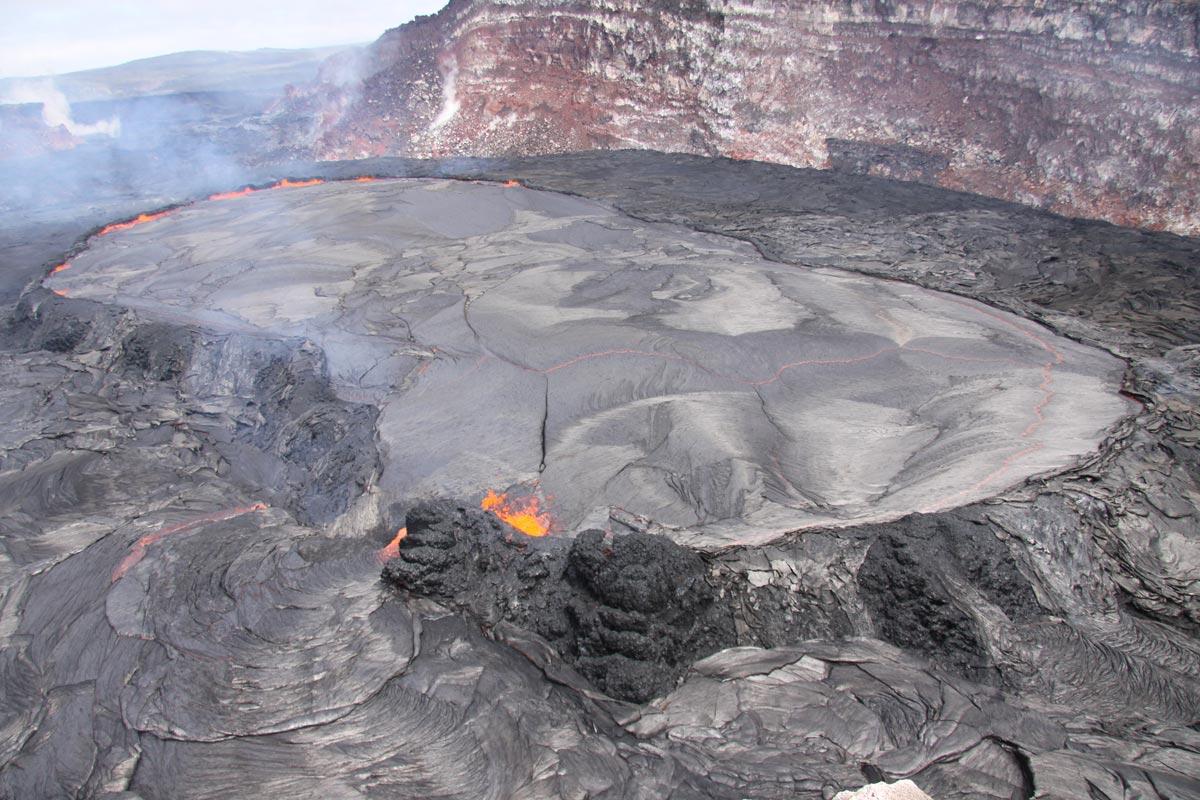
(1085, 108)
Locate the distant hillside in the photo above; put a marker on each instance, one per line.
(183, 103)
(257, 72)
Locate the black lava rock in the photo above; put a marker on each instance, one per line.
(903, 582)
(158, 351)
(630, 612)
(640, 610)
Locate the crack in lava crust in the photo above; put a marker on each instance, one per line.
(138, 551)
(511, 336)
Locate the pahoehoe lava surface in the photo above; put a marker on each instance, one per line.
(512, 336)
(201, 477)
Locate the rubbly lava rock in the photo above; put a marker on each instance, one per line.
(630, 612)
(447, 550)
(325, 445)
(159, 351)
(913, 608)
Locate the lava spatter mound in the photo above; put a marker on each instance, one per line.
(630, 612)
(511, 336)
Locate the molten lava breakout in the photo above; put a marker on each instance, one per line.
(524, 514)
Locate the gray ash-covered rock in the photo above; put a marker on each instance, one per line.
(631, 612)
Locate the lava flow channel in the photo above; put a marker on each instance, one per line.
(140, 219)
(286, 183)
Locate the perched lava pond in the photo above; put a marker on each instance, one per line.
(537, 344)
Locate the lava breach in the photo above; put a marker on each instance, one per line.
(392, 549)
(246, 192)
(525, 514)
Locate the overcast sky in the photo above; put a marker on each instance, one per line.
(47, 37)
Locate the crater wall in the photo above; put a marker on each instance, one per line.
(1084, 108)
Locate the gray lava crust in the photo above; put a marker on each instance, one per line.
(190, 603)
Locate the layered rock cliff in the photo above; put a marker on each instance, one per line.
(1085, 107)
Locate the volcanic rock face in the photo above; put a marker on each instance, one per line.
(1087, 108)
(621, 367)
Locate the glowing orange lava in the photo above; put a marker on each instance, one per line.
(290, 184)
(60, 292)
(61, 267)
(230, 195)
(512, 184)
(286, 183)
(385, 554)
(365, 179)
(140, 219)
(524, 515)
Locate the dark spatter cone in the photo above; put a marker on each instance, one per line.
(631, 612)
(913, 579)
(641, 612)
(159, 352)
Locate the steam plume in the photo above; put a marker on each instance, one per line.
(450, 104)
(56, 111)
